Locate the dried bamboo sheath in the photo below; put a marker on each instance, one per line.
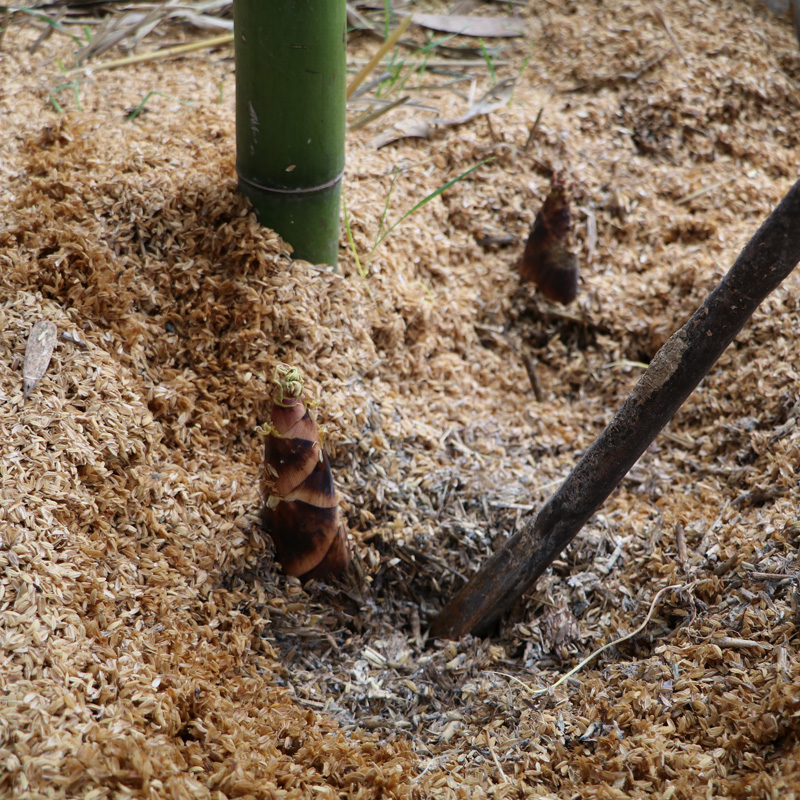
(38, 352)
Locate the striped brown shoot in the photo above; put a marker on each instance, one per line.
(548, 260)
(301, 511)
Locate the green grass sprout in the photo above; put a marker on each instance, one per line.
(425, 200)
(362, 271)
(397, 64)
(364, 267)
(388, 13)
(73, 84)
(385, 211)
(51, 22)
(138, 110)
(489, 61)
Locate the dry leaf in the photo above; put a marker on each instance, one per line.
(205, 22)
(38, 351)
(488, 27)
(411, 128)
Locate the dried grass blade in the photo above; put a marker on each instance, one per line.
(48, 31)
(113, 30)
(371, 116)
(382, 50)
(405, 129)
(148, 25)
(357, 20)
(566, 676)
(154, 55)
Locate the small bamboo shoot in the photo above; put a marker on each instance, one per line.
(548, 260)
(301, 511)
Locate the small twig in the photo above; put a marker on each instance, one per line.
(530, 368)
(772, 576)
(680, 542)
(534, 128)
(731, 641)
(705, 190)
(494, 756)
(661, 17)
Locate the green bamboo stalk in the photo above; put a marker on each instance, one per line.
(290, 118)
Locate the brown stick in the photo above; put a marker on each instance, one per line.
(673, 374)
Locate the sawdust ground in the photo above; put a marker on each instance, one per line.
(149, 646)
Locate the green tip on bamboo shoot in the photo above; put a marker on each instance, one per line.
(290, 118)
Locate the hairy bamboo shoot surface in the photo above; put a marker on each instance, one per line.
(548, 260)
(301, 511)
